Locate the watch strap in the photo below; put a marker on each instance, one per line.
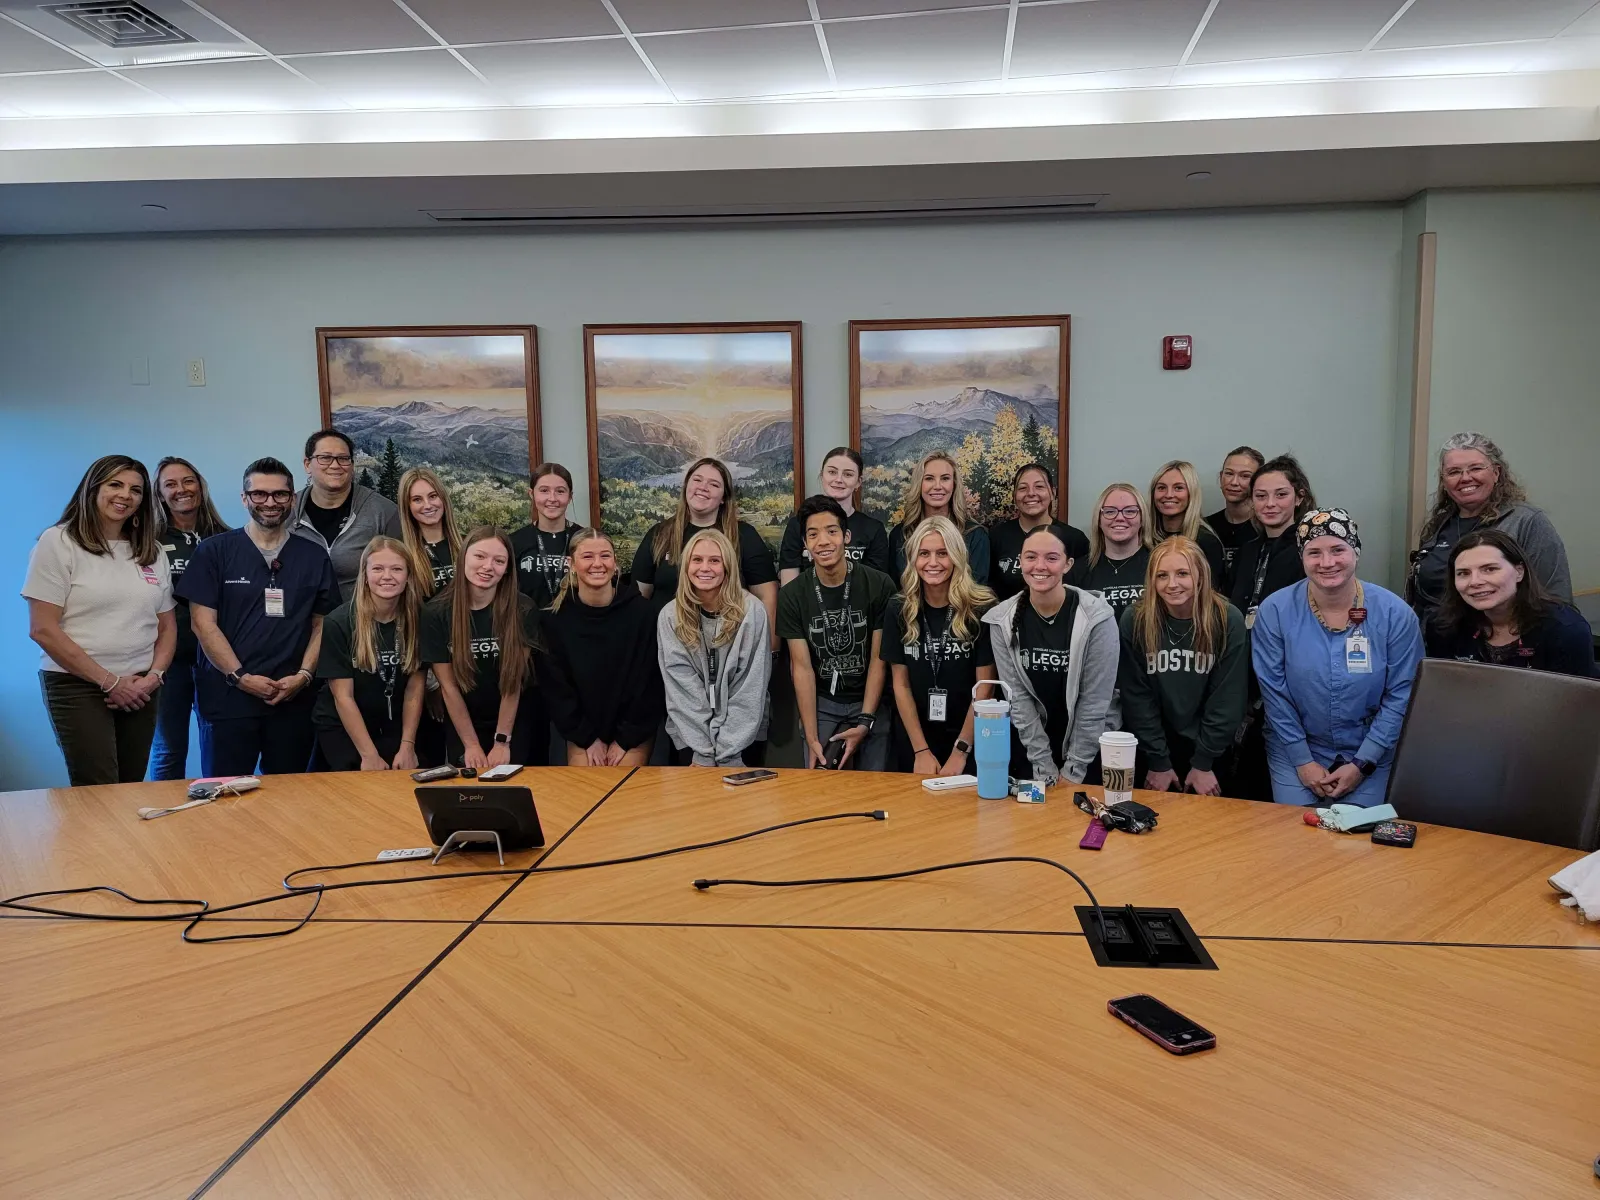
(963, 745)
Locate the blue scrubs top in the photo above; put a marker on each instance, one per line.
(228, 574)
(1316, 706)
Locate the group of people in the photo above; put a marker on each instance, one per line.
(338, 630)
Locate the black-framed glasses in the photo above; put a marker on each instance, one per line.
(331, 460)
(269, 497)
(1130, 513)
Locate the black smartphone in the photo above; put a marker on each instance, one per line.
(833, 754)
(434, 774)
(1166, 1027)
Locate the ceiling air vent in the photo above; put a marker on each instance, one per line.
(121, 24)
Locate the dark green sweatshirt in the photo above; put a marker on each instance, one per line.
(1171, 692)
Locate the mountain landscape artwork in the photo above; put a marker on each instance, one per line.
(662, 397)
(460, 402)
(990, 392)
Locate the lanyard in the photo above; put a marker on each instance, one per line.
(1262, 563)
(551, 579)
(844, 602)
(933, 648)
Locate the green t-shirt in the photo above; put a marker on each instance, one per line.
(838, 635)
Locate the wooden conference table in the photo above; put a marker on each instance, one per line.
(1390, 1022)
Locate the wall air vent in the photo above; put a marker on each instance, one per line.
(757, 214)
(120, 24)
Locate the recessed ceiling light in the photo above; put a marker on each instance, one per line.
(1198, 176)
(154, 207)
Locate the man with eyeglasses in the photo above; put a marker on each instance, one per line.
(257, 596)
(337, 513)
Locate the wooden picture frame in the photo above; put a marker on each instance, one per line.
(494, 375)
(1061, 378)
(677, 381)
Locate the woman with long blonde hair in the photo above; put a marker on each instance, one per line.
(715, 663)
(1119, 547)
(480, 635)
(428, 529)
(1176, 506)
(602, 684)
(366, 718)
(1184, 671)
(708, 501)
(934, 643)
(935, 489)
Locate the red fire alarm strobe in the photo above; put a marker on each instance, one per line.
(1177, 351)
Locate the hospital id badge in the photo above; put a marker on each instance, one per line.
(1250, 619)
(1356, 659)
(938, 700)
(274, 602)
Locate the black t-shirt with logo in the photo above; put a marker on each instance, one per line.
(755, 563)
(1005, 551)
(380, 694)
(444, 566)
(840, 638)
(541, 561)
(329, 521)
(179, 545)
(869, 543)
(483, 701)
(1232, 536)
(937, 660)
(1120, 584)
(1044, 653)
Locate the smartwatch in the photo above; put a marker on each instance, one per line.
(231, 679)
(963, 745)
(1364, 766)
(502, 739)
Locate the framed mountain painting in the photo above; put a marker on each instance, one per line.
(463, 400)
(662, 396)
(992, 391)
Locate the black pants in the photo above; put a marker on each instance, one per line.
(100, 744)
(1180, 750)
(280, 740)
(527, 748)
(340, 753)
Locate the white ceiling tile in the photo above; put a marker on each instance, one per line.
(463, 21)
(654, 16)
(1095, 81)
(606, 72)
(873, 8)
(905, 51)
(1564, 54)
(1102, 35)
(405, 79)
(1587, 25)
(1461, 22)
(250, 85)
(90, 94)
(742, 62)
(1241, 29)
(209, 40)
(1495, 58)
(308, 26)
(22, 51)
(1266, 70)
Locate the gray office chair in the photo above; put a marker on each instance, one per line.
(1501, 750)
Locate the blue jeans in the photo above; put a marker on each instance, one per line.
(1287, 788)
(169, 754)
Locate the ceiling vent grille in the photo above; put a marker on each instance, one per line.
(120, 24)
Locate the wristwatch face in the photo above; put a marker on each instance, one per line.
(964, 746)
(502, 739)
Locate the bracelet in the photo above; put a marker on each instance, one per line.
(106, 688)
(310, 678)
(924, 750)
(408, 741)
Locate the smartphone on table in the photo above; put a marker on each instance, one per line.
(745, 778)
(1164, 1026)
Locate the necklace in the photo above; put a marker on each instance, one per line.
(1183, 634)
(1357, 614)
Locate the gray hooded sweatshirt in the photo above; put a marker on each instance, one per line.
(1095, 650)
(716, 721)
(370, 515)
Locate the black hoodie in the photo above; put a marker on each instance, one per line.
(600, 677)
(1264, 565)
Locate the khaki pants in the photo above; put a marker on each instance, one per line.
(101, 744)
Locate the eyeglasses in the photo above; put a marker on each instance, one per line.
(331, 460)
(269, 497)
(1477, 471)
(1129, 514)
